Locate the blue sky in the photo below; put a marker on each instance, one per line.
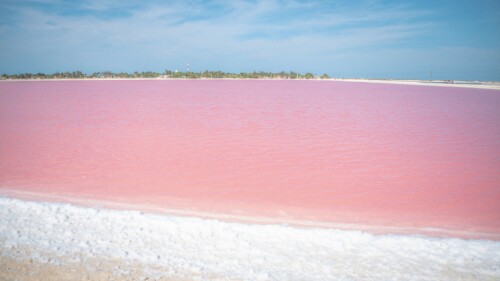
(382, 39)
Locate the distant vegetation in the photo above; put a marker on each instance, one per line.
(167, 74)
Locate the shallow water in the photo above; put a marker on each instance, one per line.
(362, 153)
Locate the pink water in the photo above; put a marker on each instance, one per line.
(377, 154)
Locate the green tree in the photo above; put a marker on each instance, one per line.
(308, 76)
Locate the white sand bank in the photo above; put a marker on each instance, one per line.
(437, 83)
(173, 247)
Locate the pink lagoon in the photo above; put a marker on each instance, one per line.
(391, 158)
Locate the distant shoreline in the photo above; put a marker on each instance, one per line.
(439, 83)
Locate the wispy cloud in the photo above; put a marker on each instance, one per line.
(232, 19)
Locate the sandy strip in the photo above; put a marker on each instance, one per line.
(39, 238)
(456, 84)
(29, 269)
(436, 83)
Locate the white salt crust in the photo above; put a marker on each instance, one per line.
(204, 248)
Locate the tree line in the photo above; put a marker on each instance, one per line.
(167, 74)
